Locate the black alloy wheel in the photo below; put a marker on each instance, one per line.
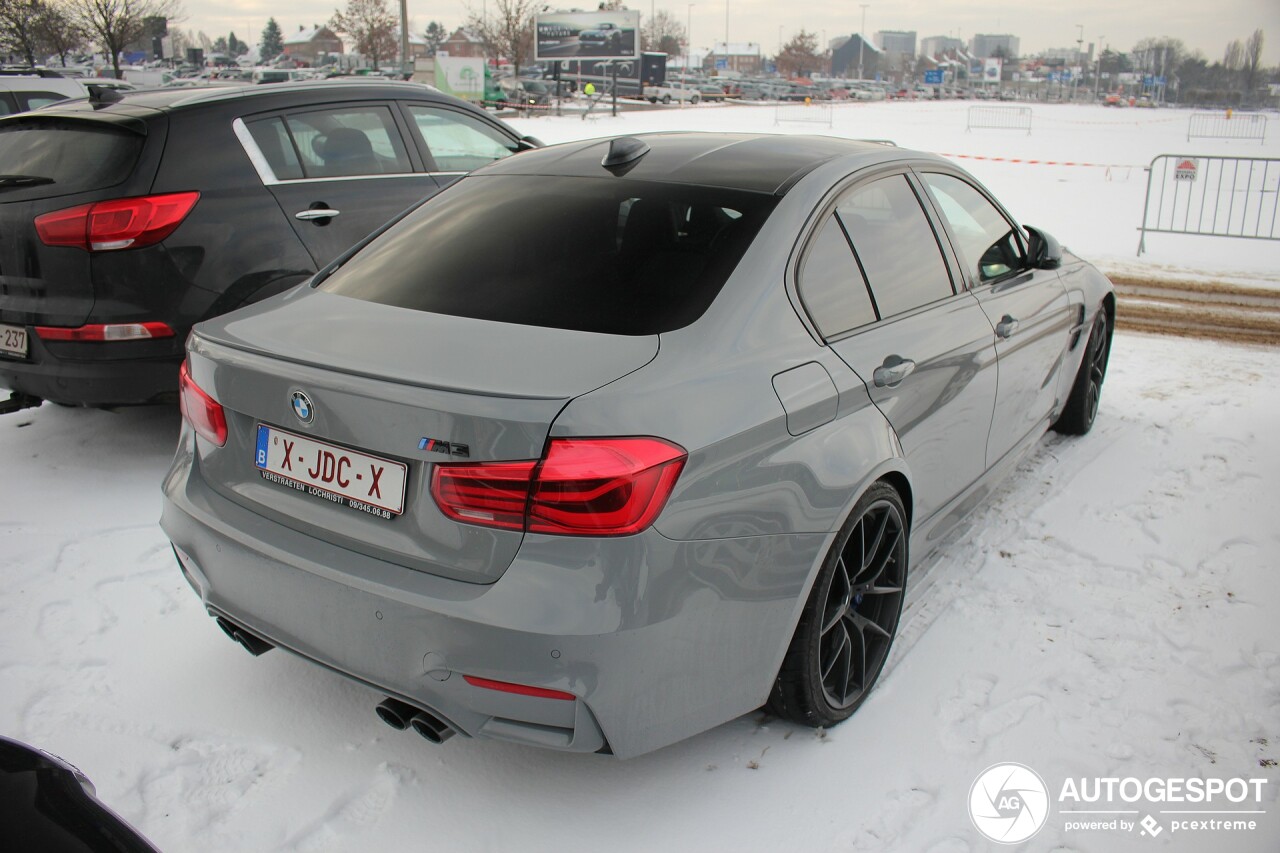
(1082, 405)
(850, 620)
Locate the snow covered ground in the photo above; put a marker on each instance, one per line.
(1111, 613)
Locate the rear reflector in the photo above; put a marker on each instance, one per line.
(123, 223)
(204, 413)
(106, 332)
(581, 487)
(520, 689)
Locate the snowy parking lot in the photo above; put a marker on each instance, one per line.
(1111, 613)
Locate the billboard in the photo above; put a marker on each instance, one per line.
(462, 77)
(586, 35)
(991, 69)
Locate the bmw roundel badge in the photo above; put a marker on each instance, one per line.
(302, 407)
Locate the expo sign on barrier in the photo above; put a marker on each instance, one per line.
(587, 35)
(1212, 197)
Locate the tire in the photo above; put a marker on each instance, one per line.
(666, 99)
(694, 99)
(851, 617)
(1082, 405)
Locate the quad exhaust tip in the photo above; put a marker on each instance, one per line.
(401, 715)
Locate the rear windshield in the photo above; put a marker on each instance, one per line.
(53, 158)
(589, 254)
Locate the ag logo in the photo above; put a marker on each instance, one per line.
(1008, 803)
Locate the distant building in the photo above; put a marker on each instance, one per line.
(312, 46)
(417, 45)
(463, 43)
(148, 40)
(742, 57)
(897, 41)
(937, 45)
(854, 53)
(985, 46)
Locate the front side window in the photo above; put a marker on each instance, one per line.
(988, 244)
(347, 142)
(895, 245)
(459, 143)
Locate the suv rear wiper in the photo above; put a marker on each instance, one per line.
(23, 181)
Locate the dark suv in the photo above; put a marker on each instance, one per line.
(125, 219)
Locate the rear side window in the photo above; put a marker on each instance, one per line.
(590, 254)
(831, 284)
(347, 142)
(43, 159)
(274, 143)
(895, 245)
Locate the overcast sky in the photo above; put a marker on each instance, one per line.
(1205, 25)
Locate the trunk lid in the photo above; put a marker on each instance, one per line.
(411, 388)
(54, 162)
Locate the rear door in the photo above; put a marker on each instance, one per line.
(338, 172)
(878, 284)
(1028, 308)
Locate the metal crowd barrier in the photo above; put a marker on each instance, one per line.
(1212, 197)
(820, 113)
(1000, 118)
(1227, 125)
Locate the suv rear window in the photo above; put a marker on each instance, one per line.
(53, 158)
(589, 254)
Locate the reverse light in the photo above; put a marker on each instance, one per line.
(580, 487)
(123, 223)
(518, 689)
(100, 332)
(204, 413)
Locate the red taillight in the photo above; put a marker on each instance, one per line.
(494, 494)
(99, 332)
(123, 223)
(581, 487)
(203, 412)
(519, 689)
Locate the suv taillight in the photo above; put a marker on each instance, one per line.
(204, 413)
(122, 223)
(580, 487)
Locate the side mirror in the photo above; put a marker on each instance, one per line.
(1046, 252)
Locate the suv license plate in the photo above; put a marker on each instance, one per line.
(13, 340)
(345, 477)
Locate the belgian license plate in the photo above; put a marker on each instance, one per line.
(345, 477)
(13, 340)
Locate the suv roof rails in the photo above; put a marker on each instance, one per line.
(28, 72)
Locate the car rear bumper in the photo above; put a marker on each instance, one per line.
(95, 374)
(656, 640)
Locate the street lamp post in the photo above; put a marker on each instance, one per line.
(862, 36)
(688, 35)
(1097, 77)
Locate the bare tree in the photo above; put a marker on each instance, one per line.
(1252, 61)
(59, 32)
(663, 33)
(800, 55)
(508, 29)
(19, 28)
(370, 24)
(115, 24)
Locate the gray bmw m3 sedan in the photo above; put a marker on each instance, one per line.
(614, 441)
